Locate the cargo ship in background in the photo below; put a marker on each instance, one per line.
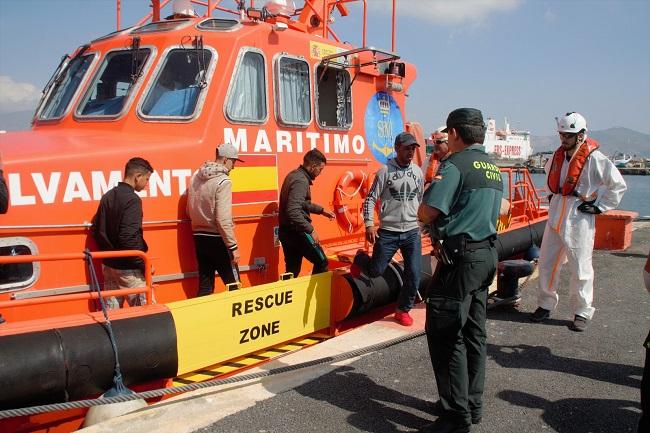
(508, 147)
(273, 80)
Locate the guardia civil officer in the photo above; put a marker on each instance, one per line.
(461, 207)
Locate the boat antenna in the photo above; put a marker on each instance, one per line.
(241, 7)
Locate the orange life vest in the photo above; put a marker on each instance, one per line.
(432, 168)
(576, 165)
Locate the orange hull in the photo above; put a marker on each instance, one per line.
(58, 171)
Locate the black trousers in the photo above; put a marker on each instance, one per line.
(298, 245)
(213, 255)
(455, 327)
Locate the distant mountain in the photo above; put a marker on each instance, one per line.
(18, 121)
(612, 140)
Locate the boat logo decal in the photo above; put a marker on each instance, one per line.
(383, 122)
(318, 50)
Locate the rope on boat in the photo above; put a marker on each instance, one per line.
(79, 404)
(119, 387)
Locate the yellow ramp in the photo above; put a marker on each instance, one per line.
(217, 370)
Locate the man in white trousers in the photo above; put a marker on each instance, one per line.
(583, 183)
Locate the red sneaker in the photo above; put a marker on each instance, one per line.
(403, 318)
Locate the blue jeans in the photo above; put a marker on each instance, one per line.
(410, 245)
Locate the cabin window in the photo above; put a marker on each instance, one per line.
(179, 84)
(15, 276)
(111, 89)
(334, 97)
(247, 93)
(294, 96)
(161, 26)
(218, 24)
(112, 34)
(64, 87)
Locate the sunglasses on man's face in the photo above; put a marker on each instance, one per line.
(440, 141)
(567, 134)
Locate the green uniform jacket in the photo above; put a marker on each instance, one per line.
(468, 194)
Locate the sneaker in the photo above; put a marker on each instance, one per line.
(403, 318)
(540, 315)
(579, 324)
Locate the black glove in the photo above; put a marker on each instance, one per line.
(589, 207)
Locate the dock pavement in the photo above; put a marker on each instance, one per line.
(540, 377)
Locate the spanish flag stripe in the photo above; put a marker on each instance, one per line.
(254, 196)
(254, 179)
(256, 160)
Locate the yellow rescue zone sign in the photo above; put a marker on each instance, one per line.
(215, 328)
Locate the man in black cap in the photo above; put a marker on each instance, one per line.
(462, 208)
(399, 185)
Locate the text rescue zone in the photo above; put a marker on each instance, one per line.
(261, 302)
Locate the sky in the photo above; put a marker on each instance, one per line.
(527, 60)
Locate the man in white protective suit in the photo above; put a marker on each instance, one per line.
(583, 182)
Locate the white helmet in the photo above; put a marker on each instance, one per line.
(571, 122)
(438, 134)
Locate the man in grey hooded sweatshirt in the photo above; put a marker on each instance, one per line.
(209, 206)
(398, 186)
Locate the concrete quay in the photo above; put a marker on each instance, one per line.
(540, 377)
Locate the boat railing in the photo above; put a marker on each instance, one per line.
(89, 295)
(525, 202)
(315, 14)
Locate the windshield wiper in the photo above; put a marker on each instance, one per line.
(200, 62)
(58, 74)
(136, 66)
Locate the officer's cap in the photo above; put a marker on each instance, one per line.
(464, 116)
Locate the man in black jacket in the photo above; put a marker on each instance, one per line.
(4, 204)
(297, 235)
(4, 194)
(117, 225)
